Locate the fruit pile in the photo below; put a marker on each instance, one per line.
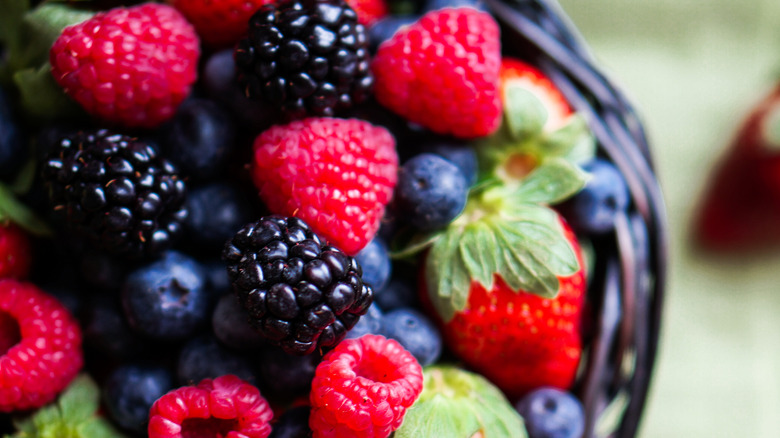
(289, 218)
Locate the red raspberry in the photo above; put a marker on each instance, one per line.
(223, 407)
(14, 252)
(40, 343)
(128, 66)
(442, 72)
(362, 388)
(337, 175)
(368, 11)
(220, 23)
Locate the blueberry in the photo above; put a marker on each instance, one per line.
(294, 423)
(375, 262)
(216, 212)
(167, 299)
(415, 332)
(595, 207)
(397, 294)
(432, 5)
(130, 391)
(231, 326)
(106, 330)
(285, 375)
(203, 357)
(431, 191)
(199, 138)
(552, 413)
(370, 323)
(217, 277)
(459, 154)
(385, 28)
(13, 149)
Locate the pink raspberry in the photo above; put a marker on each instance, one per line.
(40, 347)
(442, 72)
(223, 407)
(362, 388)
(335, 174)
(128, 66)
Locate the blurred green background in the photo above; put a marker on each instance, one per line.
(694, 68)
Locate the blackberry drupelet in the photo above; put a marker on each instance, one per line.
(307, 56)
(117, 191)
(300, 293)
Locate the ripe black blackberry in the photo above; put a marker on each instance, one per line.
(300, 294)
(308, 56)
(117, 191)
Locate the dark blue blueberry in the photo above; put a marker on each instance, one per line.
(415, 332)
(370, 323)
(397, 294)
(459, 154)
(216, 212)
(385, 28)
(231, 326)
(375, 262)
(432, 5)
(552, 413)
(217, 277)
(200, 138)
(13, 147)
(294, 423)
(106, 330)
(285, 375)
(167, 299)
(130, 391)
(431, 191)
(595, 207)
(204, 358)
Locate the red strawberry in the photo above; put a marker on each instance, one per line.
(369, 11)
(128, 66)
(219, 23)
(337, 175)
(515, 73)
(442, 72)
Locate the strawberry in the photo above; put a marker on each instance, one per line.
(219, 23)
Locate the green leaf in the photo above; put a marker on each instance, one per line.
(42, 97)
(11, 19)
(409, 242)
(573, 141)
(98, 427)
(457, 404)
(13, 210)
(553, 181)
(447, 279)
(524, 114)
(80, 401)
(25, 177)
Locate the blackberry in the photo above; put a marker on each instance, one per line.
(300, 293)
(307, 56)
(117, 191)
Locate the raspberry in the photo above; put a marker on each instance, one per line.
(14, 252)
(128, 66)
(362, 388)
(40, 347)
(223, 407)
(442, 72)
(337, 175)
(219, 23)
(369, 11)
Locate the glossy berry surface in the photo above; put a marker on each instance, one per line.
(130, 391)
(116, 191)
(363, 387)
(595, 208)
(374, 259)
(431, 191)
(370, 323)
(204, 358)
(305, 56)
(167, 299)
(415, 332)
(215, 212)
(460, 154)
(15, 252)
(300, 293)
(398, 293)
(552, 413)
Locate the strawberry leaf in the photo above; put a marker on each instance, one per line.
(447, 275)
(42, 97)
(524, 114)
(553, 181)
(572, 141)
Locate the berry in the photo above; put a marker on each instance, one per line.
(116, 191)
(226, 406)
(363, 388)
(368, 11)
(552, 413)
(337, 175)
(431, 191)
(556, 109)
(128, 66)
(370, 323)
(415, 332)
(375, 261)
(442, 72)
(102, 272)
(461, 155)
(167, 299)
(433, 5)
(203, 358)
(287, 376)
(306, 57)
(219, 23)
(293, 423)
(384, 29)
(107, 332)
(40, 347)
(15, 252)
(13, 149)
(199, 139)
(215, 212)
(300, 293)
(230, 323)
(130, 391)
(595, 208)
(397, 294)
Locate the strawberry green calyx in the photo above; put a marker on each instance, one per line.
(459, 404)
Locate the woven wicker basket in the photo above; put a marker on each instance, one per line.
(626, 292)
